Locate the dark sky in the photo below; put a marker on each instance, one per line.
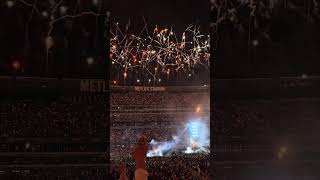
(176, 13)
(75, 39)
(288, 44)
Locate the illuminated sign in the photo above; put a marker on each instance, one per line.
(93, 85)
(139, 88)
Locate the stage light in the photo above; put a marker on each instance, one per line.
(194, 130)
(255, 42)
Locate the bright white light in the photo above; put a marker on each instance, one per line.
(10, 4)
(90, 60)
(95, 2)
(189, 150)
(45, 14)
(198, 133)
(138, 80)
(27, 145)
(255, 42)
(63, 9)
(304, 76)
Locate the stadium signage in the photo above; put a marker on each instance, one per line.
(93, 85)
(139, 88)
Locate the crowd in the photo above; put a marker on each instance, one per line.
(237, 118)
(54, 159)
(258, 122)
(45, 145)
(120, 146)
(52, 119)
(153, 132)
(122, 138)
(154, 119)
(158, 116)
(58, 119)
(180, 167)
(54, 173)
(159, 98)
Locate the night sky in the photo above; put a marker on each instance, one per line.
(176, 13)
(23, 31)
(292, 47)
(288, 43)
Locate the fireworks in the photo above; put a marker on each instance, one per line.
(160, 52)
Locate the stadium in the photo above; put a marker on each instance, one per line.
(265, 129)
(59, 128)
(51, 129)
(256, 134)
(85, 83)
(174, 119)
